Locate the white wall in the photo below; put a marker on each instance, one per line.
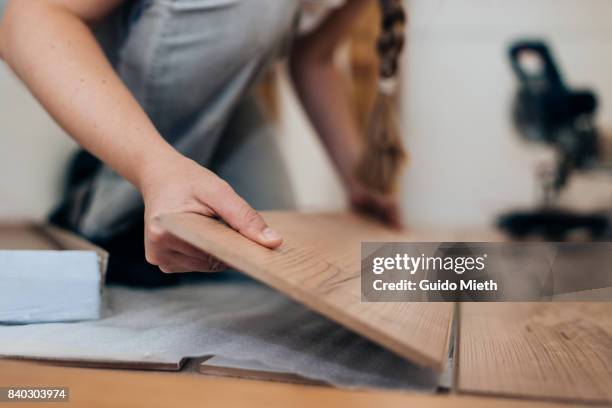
(315, 183)
(468, 164)
(33, 153)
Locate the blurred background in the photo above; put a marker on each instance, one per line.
(469, 163)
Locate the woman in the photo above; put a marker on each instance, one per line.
(159, 90)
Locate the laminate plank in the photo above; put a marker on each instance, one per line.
(221, 367)
(318, 265)
(107, 364)
(554, 351)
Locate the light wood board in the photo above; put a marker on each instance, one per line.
(24, 236)
(44, 237)
(109, 364)
(318, 265)
(109, 388)
(210, 366)
(554, 351)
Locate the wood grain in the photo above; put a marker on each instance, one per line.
(318, 265)
(555, 351)
(109, 388)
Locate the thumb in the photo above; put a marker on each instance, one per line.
(242, 217)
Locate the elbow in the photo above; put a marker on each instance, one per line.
(19, 19)
(313, 51)
(304, 60)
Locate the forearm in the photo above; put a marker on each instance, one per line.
(321, 90)
(55, 54)
(49, 46)
(321, 87)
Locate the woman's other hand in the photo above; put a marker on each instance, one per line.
(385, 208)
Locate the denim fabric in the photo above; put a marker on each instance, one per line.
(191, 64)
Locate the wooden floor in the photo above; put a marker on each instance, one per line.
(554, 351)
(89, 388)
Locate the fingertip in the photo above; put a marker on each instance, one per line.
(270, 238)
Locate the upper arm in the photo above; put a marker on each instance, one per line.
(87, 10)
(24, 13)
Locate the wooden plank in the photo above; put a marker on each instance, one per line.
(210, 366)
(109, 388)
(109, 364)
(556, 351)
(24, 237)
(318, 265)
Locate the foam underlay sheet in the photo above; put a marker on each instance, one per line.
(49, 286)
(238, 320)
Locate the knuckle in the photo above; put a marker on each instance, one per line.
(224, 185)
(217, 266)
(156, 235)
(152, 259)
(207, 268)
(166, 269)
(157, 258)
(249, 216)
(220, 188)
(151, 255)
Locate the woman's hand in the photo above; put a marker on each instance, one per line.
(386, 208)
(180, 185)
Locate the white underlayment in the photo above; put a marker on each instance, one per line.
(241, 320)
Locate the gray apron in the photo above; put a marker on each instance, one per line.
(191, 64)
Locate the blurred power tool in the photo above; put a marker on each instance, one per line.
(547, 111)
